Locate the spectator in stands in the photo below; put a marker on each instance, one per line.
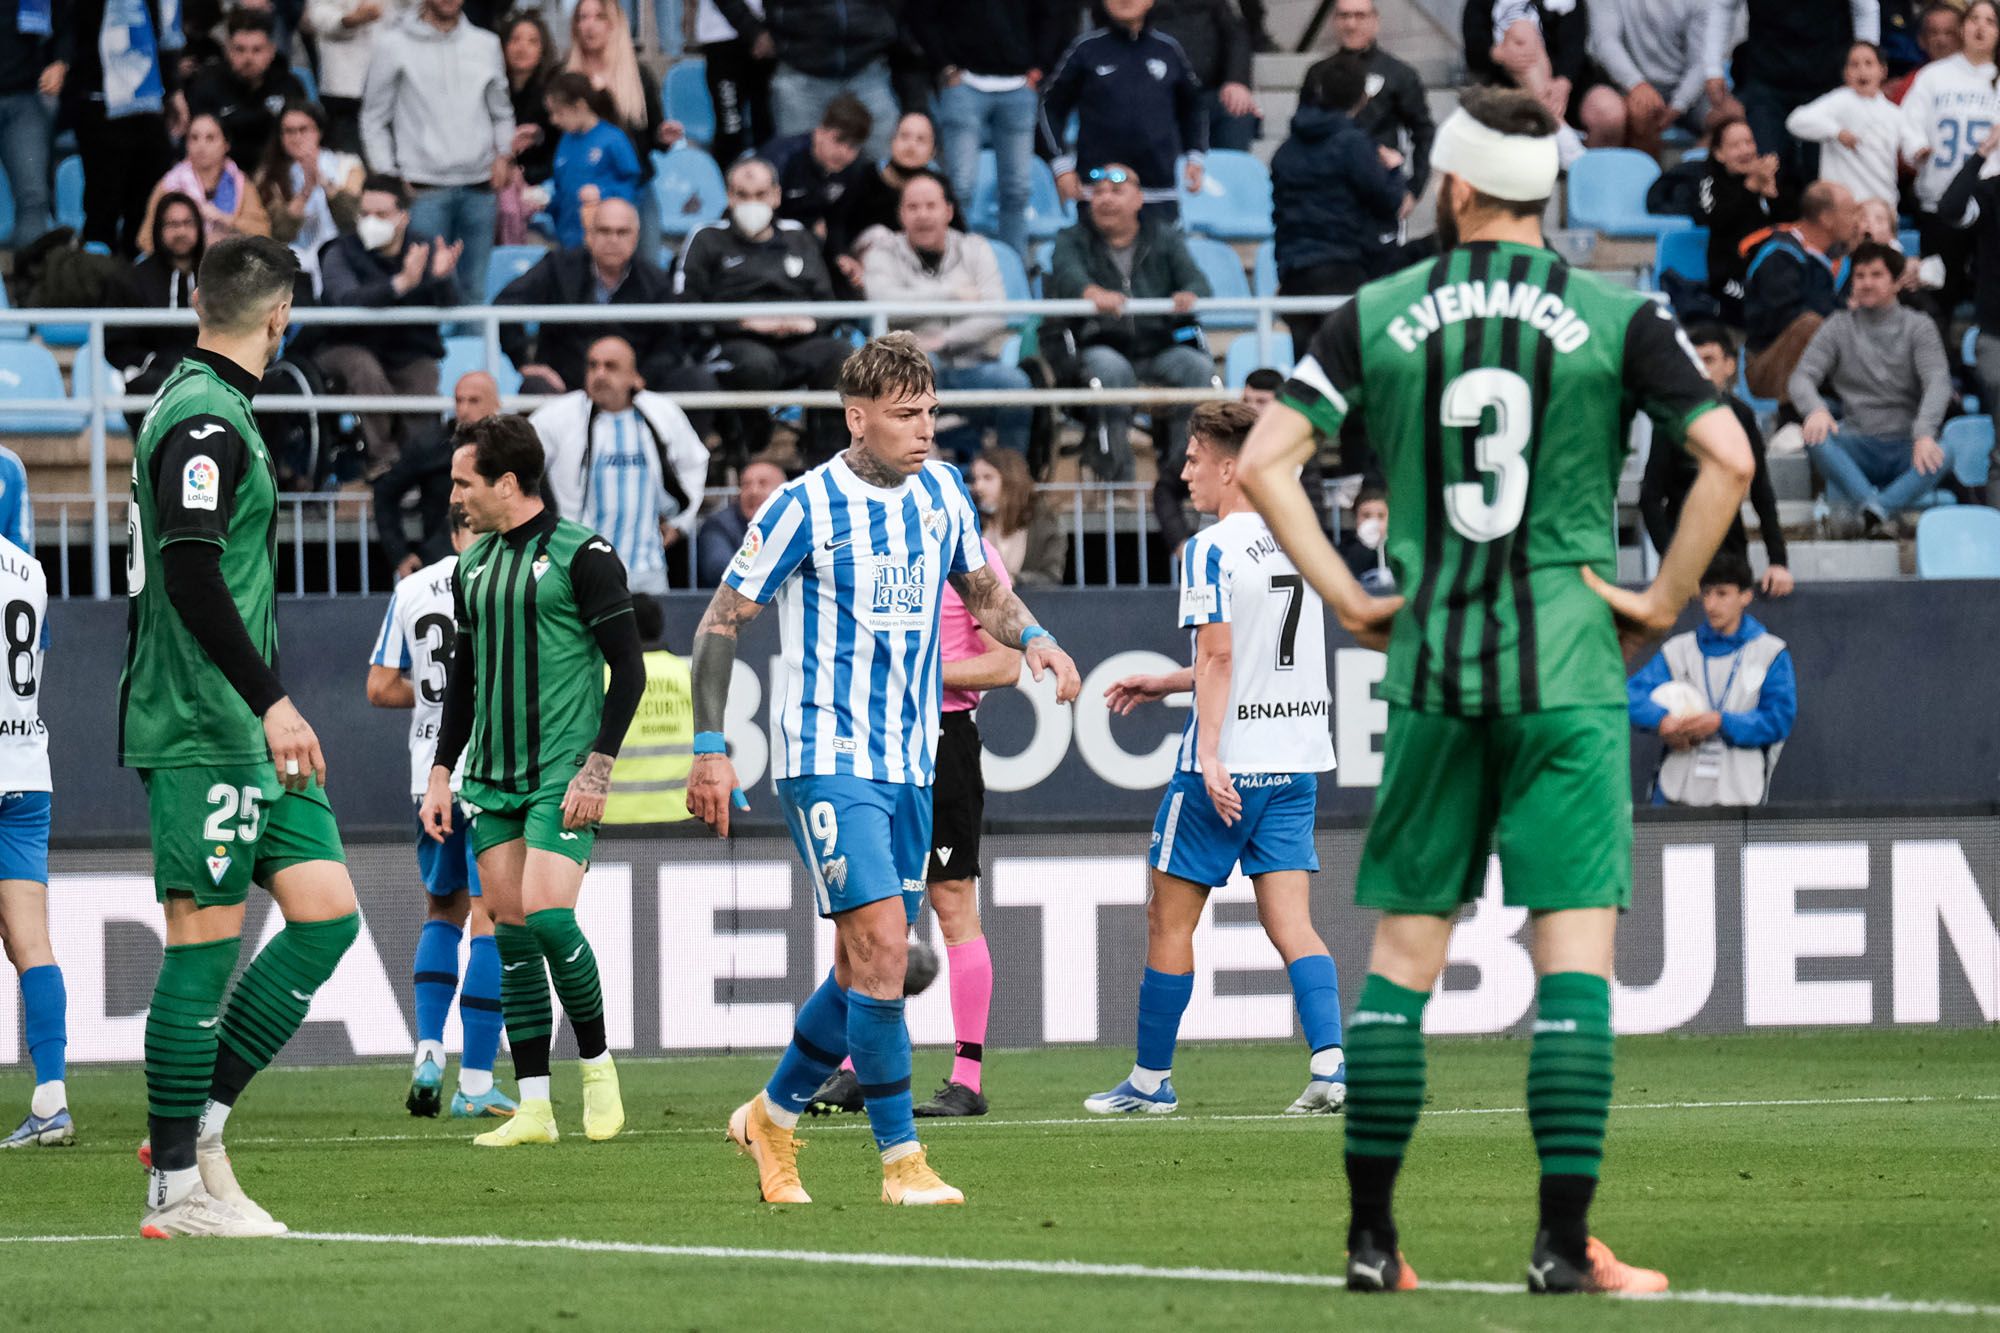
(819, 169)
(606, 270)
(1973, 202)
(27, 55)
(386, 262)
(600, 47)
(1398, 113)
(1112, 256)
(1723, 696)
(928, 261)
(594, 160)
(311, 192)
(1738, 189)
(752, 257)
(1885, 365)
(421, 480)
(1365, 546)
(1652, 51)
(248, 88)
(1857, 128)
(991, 60)
(625, 463)
(1544, 49)
(163, 279)
(1126, 113)
(1216, 42)
(436, 115)
(121, 132)
(877, 200)
(1790, 286)
(529, 55)
(1670, 471)
(1260, 388)
(1171, 504)
(229, 202)
(722, 532)
(345, 31)
(822, 51)
(1938, 37)
(1018, 521)
(1949, 107)
(739, 81)
(1335, 193)
(1794, 53)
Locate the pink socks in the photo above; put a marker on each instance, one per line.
(971, 999)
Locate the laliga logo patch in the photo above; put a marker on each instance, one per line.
(745, 558)
(539, 568)
(201, 483)
(1157, 68)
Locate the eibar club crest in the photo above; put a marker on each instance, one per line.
(539, 568)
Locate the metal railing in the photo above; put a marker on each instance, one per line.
(93, 401)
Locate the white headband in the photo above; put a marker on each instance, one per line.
(1516, 167)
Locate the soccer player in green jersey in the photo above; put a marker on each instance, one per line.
(542, 609)
(235, 782)
(1497, 384)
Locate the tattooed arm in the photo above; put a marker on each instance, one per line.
(712, 781)
(1004, 616)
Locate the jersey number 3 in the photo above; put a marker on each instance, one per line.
(1498, 452)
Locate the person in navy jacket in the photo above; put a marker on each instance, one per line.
(1137, 102)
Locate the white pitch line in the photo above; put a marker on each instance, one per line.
(1073, 1268)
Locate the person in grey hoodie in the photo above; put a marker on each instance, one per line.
(436, 114)
(1886, 365)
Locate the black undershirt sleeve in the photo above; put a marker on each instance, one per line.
(618, 639)
(200, 597)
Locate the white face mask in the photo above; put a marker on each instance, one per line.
(1370, 532)
(375, 233)
(750, 218)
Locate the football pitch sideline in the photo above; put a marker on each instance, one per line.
(1787, 1180)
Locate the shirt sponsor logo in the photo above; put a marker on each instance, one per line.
(201, 484)
(745, 558)
(1256, 781)
(1290, 708)
(899, 590)
(1199, 601)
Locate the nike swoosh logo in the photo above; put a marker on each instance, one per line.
(1373, 1272)
(831, 545)
(576, 955)
(212, 428)
(209, 1022)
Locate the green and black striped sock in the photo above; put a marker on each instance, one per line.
(1569, 1098)
(573, 967)
(524, 999)
(1385, 1094)
(274, 992)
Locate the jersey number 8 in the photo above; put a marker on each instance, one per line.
(1498, 453)
(21, 640)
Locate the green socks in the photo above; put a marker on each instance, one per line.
(573, 968)
(524, 999)
(1569, 1073)
(181, 1027)
(271, 998)
(1385, 1094)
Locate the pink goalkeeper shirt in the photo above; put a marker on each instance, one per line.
(958, 632)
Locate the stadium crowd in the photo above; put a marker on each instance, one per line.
(924, 150)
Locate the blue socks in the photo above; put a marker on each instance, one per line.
(819, 1044)
(436, 977)
(880, 1045)
(479, 1004)
(1316, 991)
(46, 1004)
(1163, 998)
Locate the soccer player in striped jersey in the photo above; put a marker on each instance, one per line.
(541, 609)
(1246, 790)
(407, 670)
(1498, 385)
(856, 552)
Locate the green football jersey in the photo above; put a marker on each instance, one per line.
(1497, 385)
(200, 472)
(528, 602)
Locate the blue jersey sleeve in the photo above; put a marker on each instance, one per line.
(392, 646)
(775, 546)
(1204, 584)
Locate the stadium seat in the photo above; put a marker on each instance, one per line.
(1234, 202)
(1765, 408)
(10, 332)
(1242, 357)
(1264, 271)
(507, 263)
(1014, 277)
(69, 193)
(688, 190)
(1685, 253)
(114, 420)
(1959, 542)
(1224, 271)
(1968, 448)
(466, 352)
(687, 99)
(304, 74)
(1048, 212)
(1607, 193)
(29, 370)
(1911, 242)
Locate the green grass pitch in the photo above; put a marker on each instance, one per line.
(1817, 1167)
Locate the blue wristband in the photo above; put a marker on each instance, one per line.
(710, 742)
(1033, 632)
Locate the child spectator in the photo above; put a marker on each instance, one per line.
(1017, 520)
(594, 158)
(1365, 547)
(1858, 127)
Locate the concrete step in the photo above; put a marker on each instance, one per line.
(46, 451)
(1791, 477)
(1834, 562)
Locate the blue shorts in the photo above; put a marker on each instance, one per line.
(862, 841)
(24, 836)
(1191, 842)
(450, 865)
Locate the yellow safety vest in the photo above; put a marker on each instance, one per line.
(649, 781)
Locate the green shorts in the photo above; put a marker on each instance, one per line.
(218, 828)
(1550, 791)
(537, 817)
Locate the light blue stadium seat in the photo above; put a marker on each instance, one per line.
(1234, 202)
(1765, 408)
(1685, 253)
(1607, 193)
(114, 420)
(1013, 277)
(304, 74)
(466, 352)
(1968, 448)
(1242, 357)
(1911, 241)
(29, 370)
(508, 262)
(69, 193)
(1968, 356)
(688, 190)
(1224, 271)
(1959, 542)
(10, 332)
(687, 99)
(1048, 211)
(1264, 271)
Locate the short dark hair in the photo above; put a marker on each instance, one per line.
(1869, 252)
(1264, 380)
(1515, 113)
(252, 20)
(241, 278)
(1225, 425)
(571, 87)
(1368, 495)
(503, 443)
(1338, 83)
(927, 174)
(1873, 50)
(848, 118)
(1731, 567)
(1711, 333)
(380, 182)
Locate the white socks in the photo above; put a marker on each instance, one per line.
(170, 1187)
(1148, 1081)
(428, 1050)
(212, 1120)
(475, 1082)
(1327, 1063)
(49, 1098)
(780, 1117)
(898, 1152)
(535, 1089)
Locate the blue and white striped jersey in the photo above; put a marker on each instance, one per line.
(417, 637)
(605, 471)
(858, 572)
